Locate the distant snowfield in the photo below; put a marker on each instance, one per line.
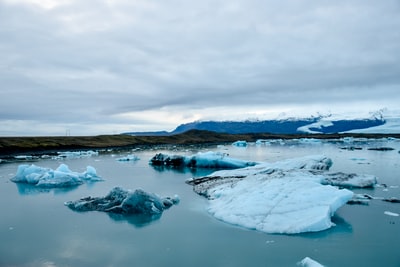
(392, 125)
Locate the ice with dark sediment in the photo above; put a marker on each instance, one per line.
(290, 196)
(200, 160)
(125, 202)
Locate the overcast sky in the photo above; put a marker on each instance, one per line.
(110, 66)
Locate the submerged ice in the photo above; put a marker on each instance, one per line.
(290, 196)
(60, 177)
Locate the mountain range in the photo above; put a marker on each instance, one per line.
(323, 124)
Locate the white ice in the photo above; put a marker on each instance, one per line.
(308, 262)
(60, 177)
(218, 160)
(128, 158)
(240, 143)
(76, 154)
(389, 213)
(282, 197)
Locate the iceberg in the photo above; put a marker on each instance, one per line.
(138, 207)
(286, 197)
(124, 202)
(200, 160)
(240, 143)
(49, 178)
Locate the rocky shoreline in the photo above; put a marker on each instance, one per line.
(11, 146)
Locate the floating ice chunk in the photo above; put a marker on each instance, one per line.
(260, 142)
(240, 143)
(200, 160)
(389, 213)
(350, 180)
(347, 139)
(381, 148)
(308, 262)
(24, 157)
(77, 154)
(126, 202)
(282, 197)
(60, 177)
(128, 158)
(310, 141)
(392, 200)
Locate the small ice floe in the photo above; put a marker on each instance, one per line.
(389, 213)
(265, 142)
(200, 160)
(350, 180)
(347, 139)
(381, 148)
(25, 157)
(392, 200)
(49, 178)
(284, 197)
(128, 158)
(360, 199)
(121, 202)
(351, 148)
(310, 141)
(358, 159)
(76, 154)
(308, 262)
(240, 143)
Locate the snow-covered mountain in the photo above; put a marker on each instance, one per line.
(381, 121)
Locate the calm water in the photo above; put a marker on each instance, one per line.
(36, 229)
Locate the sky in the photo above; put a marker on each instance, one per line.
(71, 67)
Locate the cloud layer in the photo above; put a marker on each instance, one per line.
(93, 67)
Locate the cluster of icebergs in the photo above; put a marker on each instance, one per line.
(289, 196)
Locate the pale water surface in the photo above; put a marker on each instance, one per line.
(36, 229)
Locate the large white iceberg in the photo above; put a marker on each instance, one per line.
(200, 160)
(60, 177)
(283, 197)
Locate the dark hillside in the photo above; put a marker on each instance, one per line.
(40, 145)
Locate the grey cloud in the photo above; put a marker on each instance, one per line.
(101, 59)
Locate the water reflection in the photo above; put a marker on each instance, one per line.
(341, 226)
(29, 189)
(137, 220)
(196, 172)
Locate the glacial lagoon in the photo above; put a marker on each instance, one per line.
(37, 229)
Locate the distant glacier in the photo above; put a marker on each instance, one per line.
(318, 125)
